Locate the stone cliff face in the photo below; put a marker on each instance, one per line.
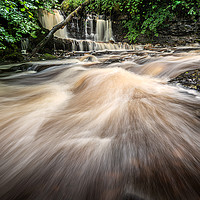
(179, 32)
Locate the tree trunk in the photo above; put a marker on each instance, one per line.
(57, 27)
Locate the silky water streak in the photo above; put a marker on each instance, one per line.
(98, 134)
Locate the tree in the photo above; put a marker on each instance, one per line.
(19, 18)
(57, 27)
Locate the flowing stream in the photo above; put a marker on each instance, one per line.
(105, 119)
(110, 125)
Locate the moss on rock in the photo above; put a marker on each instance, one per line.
(47, 56)
(11, 54)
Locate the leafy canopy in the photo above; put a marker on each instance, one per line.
(19, 18)
(147, 16)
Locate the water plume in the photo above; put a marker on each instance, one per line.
(98, 134)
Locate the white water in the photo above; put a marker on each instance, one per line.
(89, 28)
(49, 20)
(104, 31)
(84, 45)
(97, 40)
(73, 127)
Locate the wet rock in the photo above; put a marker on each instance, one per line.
(189, 79)
(185, 49)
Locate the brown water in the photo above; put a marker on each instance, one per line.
(100, 131)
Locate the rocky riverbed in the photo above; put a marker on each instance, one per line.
(179, 65)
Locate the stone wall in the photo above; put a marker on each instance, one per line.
(180, 32)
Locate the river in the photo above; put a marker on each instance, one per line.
(114, 125)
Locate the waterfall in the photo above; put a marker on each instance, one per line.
(100, 30)
(49, 20)
(89, 45)
(89, 32)
(81, 47)
(74, 46)
(86, 33)
(108, 31)
(24, 45)
(97, 32)
(104, 31)
(91, 28)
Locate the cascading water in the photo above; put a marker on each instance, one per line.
(98, 34)
(49, 20)
(108, 32)
(86, 33)
(89, 27)
(100, 30)
(104, 31)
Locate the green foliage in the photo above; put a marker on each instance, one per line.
(19, 18)
(47, 56)
(145, 17)
(70, 5)
(11, 53)
(102, 6)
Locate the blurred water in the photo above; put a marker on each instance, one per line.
(109, 128)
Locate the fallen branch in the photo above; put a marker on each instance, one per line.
(57, 27)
